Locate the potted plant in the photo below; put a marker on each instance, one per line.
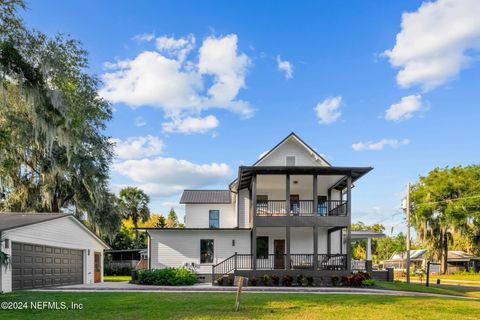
(300, 280)
(220, 281)
(276, 280)
(334, 280)
(310, 281)
(253, 281)
(265, 279)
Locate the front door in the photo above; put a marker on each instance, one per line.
(279, 251)
(98, 267)
(295, 203)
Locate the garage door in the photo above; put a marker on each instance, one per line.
(37, 266)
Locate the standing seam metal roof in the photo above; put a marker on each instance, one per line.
(206, 196)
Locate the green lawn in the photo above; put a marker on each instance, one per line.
(450, 290)
(143, 305)
(468, 279)
(116, 278)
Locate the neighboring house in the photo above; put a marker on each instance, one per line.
(457, 261)
(48, 249)
(131, 259)
(288, 213)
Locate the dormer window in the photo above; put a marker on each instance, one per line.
(290, 161)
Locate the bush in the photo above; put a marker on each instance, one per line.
(167, 277)
(220, 281)
(276, 280)
(265, 279)
(368, 282)
(310, 281)
(355, 279)
(287, 280)
(231, 280)
(300, 280)
(253, 281)
(334, 280)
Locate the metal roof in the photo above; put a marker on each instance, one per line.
(206, 196)
(364, 234)
(12, 220)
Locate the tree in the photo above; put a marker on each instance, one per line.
(133, 204)
(161, 222)
(445, 204)
(172, 220)
(54, 155)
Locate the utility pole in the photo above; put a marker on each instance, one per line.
(407, 210)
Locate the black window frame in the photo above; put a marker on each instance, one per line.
(210, 220)
(262, 253)
(205, 257)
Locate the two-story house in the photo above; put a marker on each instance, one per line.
(288, 213)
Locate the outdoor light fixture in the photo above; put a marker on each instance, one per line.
(233, 243)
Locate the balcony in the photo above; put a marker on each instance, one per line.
(278, 208)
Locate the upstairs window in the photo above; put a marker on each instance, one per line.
(206, 251)
(290, 161)
(214, 219)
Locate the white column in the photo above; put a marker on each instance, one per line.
(369, 248)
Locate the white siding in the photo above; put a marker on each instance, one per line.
(63, 232)
(301, 239)
(291, 147)
(244, 209)
(197, 215)
(174, 248)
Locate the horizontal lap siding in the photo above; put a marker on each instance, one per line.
(301, 239)
(175, 248)
(289, 148)
(244, 208)
(197, 215)
(62, 232)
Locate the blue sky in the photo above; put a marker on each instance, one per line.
(200, 88)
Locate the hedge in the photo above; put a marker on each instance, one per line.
(167, 277)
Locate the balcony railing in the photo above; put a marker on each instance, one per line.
(301, 208)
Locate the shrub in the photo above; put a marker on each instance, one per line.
(167, 277)
(355, 279)
(300, 280)
(334, 280)
(253, 281)
(276, 280)
(368, 282)
(265, 279)
(287, 280)
(220, 281)
(231, 280)
(310, 281)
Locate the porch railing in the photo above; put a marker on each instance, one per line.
(336, 262)
(301, 208)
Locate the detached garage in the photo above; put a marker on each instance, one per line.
(48, 250)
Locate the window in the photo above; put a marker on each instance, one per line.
(322, 206)
(290, 160)
(262, 247)
(262, 204)
(206, 251)
(214, 219)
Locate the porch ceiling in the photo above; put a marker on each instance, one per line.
(247, 172)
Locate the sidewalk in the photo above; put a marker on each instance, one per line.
(207, 287)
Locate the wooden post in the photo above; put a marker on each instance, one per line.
(349, 227)
(428, 274)
(315, 195)
(254, 248)
(408, 232)
(287, 194)
(288, 247)
(315, 248)
(239, 291)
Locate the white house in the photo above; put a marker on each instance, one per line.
(48, 249)
(289, 212)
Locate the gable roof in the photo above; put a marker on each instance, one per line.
(294, 136)
(14, 220)
(205, 196)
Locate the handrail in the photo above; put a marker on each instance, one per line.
(301, 208)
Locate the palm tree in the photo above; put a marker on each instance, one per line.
(133, 203)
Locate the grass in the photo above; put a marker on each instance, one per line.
(116, 278)
(144, 305)
(415, 287)
(469, 279)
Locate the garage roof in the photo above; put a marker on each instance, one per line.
(12, 220)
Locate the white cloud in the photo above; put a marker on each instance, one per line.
(137, 147)
(405, 108)
(376, 146)
(286, 67)
(165, 79)
(327, 110)
(167, 176)
(436, 42)
(189, 125)
(178, 48)
(140, 122)
(143, 37)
